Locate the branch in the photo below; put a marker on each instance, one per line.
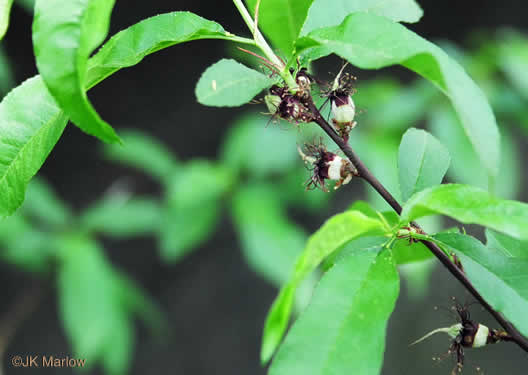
(23, 306)
(364, 173)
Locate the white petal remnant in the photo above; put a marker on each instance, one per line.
(481, 337)
(343, 107)
(326, 165)
(343, 111)
(334, 168)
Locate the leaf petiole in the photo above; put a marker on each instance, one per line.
(264, 46)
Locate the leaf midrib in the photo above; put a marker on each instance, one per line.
(333, 347)
(31, 139)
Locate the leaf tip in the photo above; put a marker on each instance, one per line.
(269, 345)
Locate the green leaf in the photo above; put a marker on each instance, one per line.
(270, 241)
(42, 203)
(508, 183)
(22, 245)
(365, 208)
(144, 152)
(324, 13)
(40, 122)
(228, 83)
(293, 191)
(391, 218)
(343, 329)
(193, 207)
(422, 162)
(513, 59)
(130, 46)
(91, 305)
(64, 35)
(405, 252)
(5, 9)
(30, 125)
(505, 245)
(501, 280)
(281, 20)
(381, 155)
(257, 149)
(465, 166)
(469, 205)
(136, 301)
(373, 42)
(335, 232)
(121, 216)
(394, 105)
(417, 276)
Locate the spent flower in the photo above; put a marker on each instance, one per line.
(326, 165)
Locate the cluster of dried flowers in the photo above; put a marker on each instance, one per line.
(297, 107)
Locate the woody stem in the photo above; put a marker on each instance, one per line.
(364, 173)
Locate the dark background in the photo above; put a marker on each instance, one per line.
(215, 304)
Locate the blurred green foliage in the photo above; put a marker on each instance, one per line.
(258, 179)
(390, 107)
(97, 303)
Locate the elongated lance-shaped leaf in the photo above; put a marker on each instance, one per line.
(31, 121)
(324, 13)
(270, 241)
(501, 280)
(513, 58)
(228, 83)
(505, 245)
(43, 204)
(246, 142)
(144, 152)
(335, 233)
(26, 247)
(194, 192)
(343, 329)
(64, 34)
(469, 205)
(405, 251)
(281, 20)
(465, 167)
(91, 305)
(130, 46)
(422, 162)
(30, 125)
(372, 42)
(5, 10)
(119, 215)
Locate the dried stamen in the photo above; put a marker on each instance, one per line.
(326, 165)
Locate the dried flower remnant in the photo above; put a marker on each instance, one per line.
(281, 103)
(304, 83)
(467, 334)
(343, 107)
(326, 165)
